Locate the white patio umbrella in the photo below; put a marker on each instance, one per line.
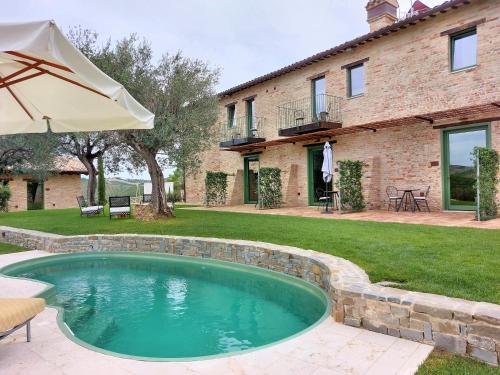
(46, 81)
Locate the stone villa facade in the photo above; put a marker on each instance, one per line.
(410, 99)
(58, 190)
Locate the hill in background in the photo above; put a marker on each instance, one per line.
(118, 187)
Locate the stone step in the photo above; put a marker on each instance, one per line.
(96, 331)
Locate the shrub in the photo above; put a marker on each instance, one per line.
(4, 197)
(351, 190)
(488, 171)
(270, 188)
(215, 188)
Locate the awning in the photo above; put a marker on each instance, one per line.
(44, 79)
(440, 119)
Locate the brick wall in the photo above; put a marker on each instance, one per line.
(61, 191)
(407, 74)
(18, 198)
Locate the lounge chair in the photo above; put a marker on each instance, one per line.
(119, 206)
(86, 210)
(16, 313)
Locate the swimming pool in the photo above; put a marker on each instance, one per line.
(166, 307)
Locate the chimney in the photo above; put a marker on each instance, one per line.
(381, 13)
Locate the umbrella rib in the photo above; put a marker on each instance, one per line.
(54, 65)
(15, 74)
(17, 100)
(67, 80)
(13, 82)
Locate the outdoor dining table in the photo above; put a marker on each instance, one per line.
(335, 199)
(409, 199)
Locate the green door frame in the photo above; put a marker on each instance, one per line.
(250, 103)
(310, 183)
(246, 192)
(445, 172)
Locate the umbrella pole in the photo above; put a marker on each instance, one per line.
(326, 211)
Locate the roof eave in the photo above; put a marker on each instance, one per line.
(403, 24)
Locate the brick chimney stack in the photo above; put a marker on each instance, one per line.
(381, 13)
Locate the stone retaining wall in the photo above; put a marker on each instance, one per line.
(455, 325)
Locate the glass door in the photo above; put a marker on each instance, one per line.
(318, 98)
(458, 166)
(316, 184)
(251, 120)
(251, 179)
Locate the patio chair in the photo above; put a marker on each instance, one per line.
(423, 199)
(86, 210)
(16, 313)
(393, 196)
(322, 198)
(146, 198)
(119, 206)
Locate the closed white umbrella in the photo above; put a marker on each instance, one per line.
(45, 80)
(327, 167)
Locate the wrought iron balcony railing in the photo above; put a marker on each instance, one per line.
(241, 131)
(309, 114)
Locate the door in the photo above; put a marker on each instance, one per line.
(251, 179)
(251, 120)
(35, 195)
(458, 166)
(315, 182)
(318, 97)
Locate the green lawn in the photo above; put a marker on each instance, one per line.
(447, 364)
(458, 262)
(6, 248)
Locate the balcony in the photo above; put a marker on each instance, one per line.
(309, 115)
(242, 131)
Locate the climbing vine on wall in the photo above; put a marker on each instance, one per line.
(4, 196)
(488, 180)
(270, 188)
(215, 188)
(351, 190)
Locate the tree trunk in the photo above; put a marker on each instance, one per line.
(157, 183)
(92, 183)
(184, 185)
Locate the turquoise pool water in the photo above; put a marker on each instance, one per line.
(172, 307)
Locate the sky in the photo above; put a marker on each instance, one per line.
(244, 39)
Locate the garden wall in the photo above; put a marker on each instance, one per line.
(454, 325)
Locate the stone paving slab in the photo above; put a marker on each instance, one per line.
(441, 218)
(329, 348)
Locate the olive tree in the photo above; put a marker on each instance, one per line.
(181, 93)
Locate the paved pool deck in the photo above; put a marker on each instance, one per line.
(440, 218)
(329, 348)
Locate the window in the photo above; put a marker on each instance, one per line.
(318, 88)
(463, 49)
(356, 80)
(231, 116)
